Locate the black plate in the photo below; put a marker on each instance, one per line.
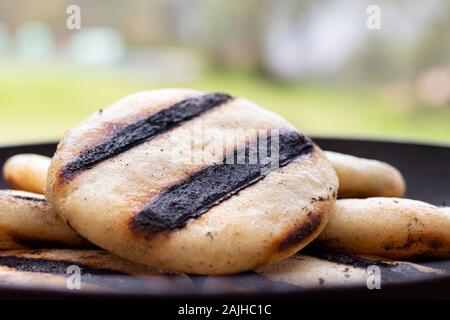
(427, 172)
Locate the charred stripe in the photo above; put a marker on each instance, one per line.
(27, 198)
(206, 188)
(314, 220)
(103, 277)
(348, 260)
(394, 271)
(144, 130)
(58, 267)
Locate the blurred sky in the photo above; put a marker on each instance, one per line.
(315, 62)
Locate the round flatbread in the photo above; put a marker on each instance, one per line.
(388, 227)
(83, 270)
(363, 178)
(27, 172)
(336, 269)
(28, 221)
(192, 182)
(322, 270)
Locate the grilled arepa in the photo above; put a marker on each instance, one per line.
(28, 221)
(27, 172)
(336, 269)
(193, 182)
(388, 227)
(82, 269)
(363, 178)
(323, 270)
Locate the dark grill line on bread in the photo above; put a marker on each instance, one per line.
(394, 271)
(58, 267)
(108, 278)
(302, 231)
(213, 184)
(348, 260)
(143, 130)
(27, 198)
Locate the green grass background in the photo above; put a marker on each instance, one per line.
(39, 102)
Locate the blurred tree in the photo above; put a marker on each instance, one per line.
(287, 40)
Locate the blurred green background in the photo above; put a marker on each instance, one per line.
(314, 62)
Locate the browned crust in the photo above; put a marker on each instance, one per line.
(309, 227)
(304, 231)
(430, 245)
(419, 243)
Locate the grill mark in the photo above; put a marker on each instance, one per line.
(58, 267)
(395, 271)
(213, 184)
(102, 277)
(143, 130)
(348, 260)
(303, 231)
(97, 276)
(27, 198)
